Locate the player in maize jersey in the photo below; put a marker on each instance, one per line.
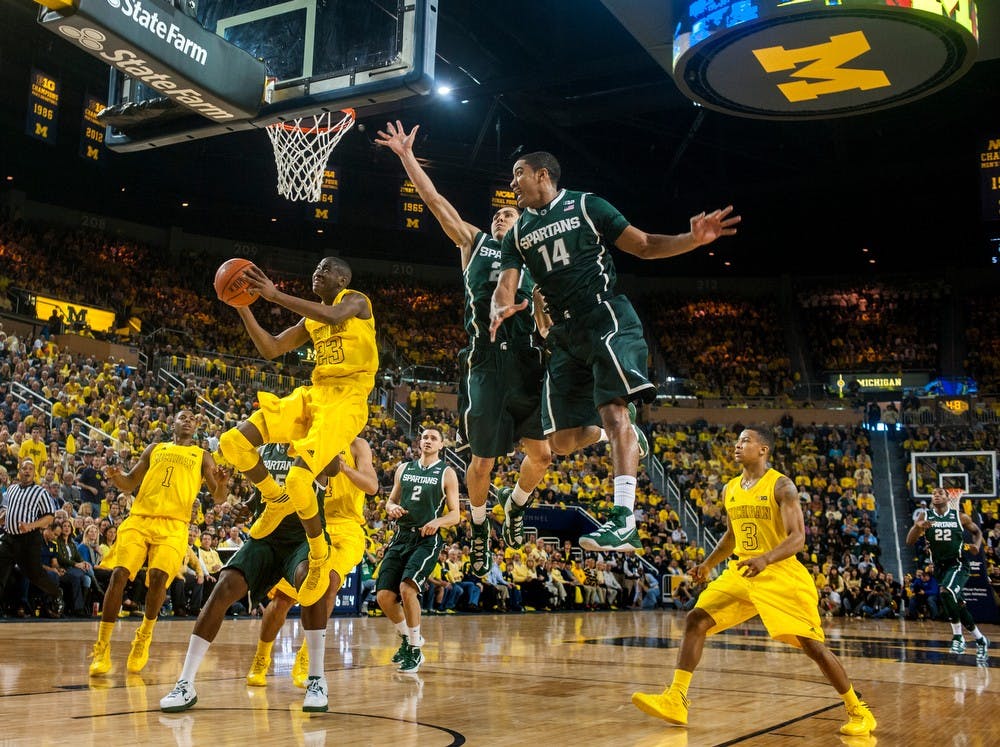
(168, 476)
(597, 366)
(765, 530)
(944, 529)
(422, 490)
(351, 477)
(501, 379)
(320, 420)
(282, 556)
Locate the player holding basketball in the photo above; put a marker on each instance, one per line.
(944, 529)
(281, 558)
(169, 476)
(766, 529)
(420, 492)
(598, 352)
(351, 476)
(320, 420)
(501, 382)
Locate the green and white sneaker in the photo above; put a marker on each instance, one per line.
(639, 434)
(958, 644)
(513, 518)
(480, 559)
(982, 650)
(403, 651)
(412, 662)
(316, 699)
(613, 535)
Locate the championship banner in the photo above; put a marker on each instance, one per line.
(989, 176)
(43, 107)
(327, 210)
(92, 132)
(412, 210)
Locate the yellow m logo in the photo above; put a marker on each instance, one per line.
(413, 224)
(42, 131)
(321, 214)
(994, 145)
(93, 153)
(824, 68)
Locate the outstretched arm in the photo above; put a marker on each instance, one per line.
(972, 528)
(502, 304)
(705, 228)
(271, 346)
(129, 481)
(400, 142)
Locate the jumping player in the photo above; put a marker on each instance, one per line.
(944, 529)
(319, 421)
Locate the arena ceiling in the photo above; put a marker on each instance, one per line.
(568, 77)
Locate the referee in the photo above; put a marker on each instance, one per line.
(29, 510)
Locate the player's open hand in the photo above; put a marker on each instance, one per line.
(707, 228)
(259, 283)
(396, 139)
(499, 313)
(112, 471)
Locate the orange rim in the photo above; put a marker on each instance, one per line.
(332, 128)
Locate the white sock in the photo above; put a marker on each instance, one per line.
(197, 648)
(976, 632)
(519, 496)
(316, 641)
(416, 640)
(956, 629)
(625, 496)
(402, 628)
(478, 513)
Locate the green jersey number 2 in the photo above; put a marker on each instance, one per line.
(559, 254)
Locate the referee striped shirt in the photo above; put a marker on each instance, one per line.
(25, 504)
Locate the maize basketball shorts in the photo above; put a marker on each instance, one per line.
(158, 542)
(596, 357)
(319, 421)
(784, 595)
(499, 398)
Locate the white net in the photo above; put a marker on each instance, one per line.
(301, 149)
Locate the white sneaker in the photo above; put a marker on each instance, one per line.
(315, 701)
(182, 697)
(418, 642)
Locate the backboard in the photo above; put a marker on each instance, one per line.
(324, 55)
(975, 472)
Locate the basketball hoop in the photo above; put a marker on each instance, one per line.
(954, 497)
(301, 149)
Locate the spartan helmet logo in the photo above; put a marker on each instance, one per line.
(89, 38)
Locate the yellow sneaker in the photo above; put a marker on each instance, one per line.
(316, 582)
(274, 513)
(300, 669)
(138, 655)
(669, 705)
(100, 659)
(860, 721)
(257, 676)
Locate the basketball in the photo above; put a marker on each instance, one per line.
(230, 286)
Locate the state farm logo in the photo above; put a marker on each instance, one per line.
(86, 37)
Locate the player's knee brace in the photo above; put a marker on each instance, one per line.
(299, 486)
(238, 450)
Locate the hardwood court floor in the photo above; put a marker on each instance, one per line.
(550, 679)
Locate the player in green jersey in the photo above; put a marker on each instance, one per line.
(501, 379)
(944, 529)
(421, 491)
(598, 352)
